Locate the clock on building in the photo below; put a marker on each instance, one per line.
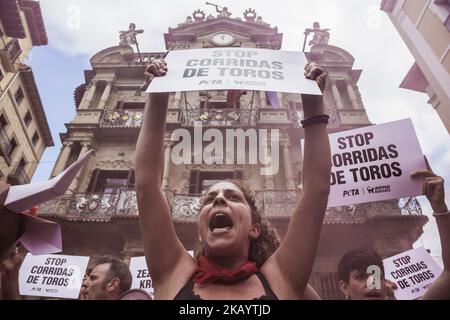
(222, 39)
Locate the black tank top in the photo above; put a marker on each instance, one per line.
(187, 292)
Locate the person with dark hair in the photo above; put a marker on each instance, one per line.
(109, 278)
(353, 276)
(352, 268)
(240, 256)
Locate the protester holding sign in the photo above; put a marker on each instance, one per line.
(241, 258)
(357, 283)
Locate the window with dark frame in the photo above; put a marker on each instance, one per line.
(18, 96)
(124, 105)
(20, 167)
(11, 146)
(203, 180)
(35, 139)
(111, 181)
(3, 122)
(27, 119)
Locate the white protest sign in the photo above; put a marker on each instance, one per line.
(51, 275)
(235, 69)
(413, 271)
(374, 163)
(140, 274)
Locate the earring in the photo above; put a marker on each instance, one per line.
(347, 298)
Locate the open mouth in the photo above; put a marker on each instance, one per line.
(220, 221)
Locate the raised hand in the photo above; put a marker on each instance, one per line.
(433, 188)
(156, 68)
(314, 72)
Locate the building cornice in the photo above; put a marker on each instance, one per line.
(35, 21)
(36, 105)
(11, 21)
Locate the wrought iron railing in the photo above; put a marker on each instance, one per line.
(122, 118)
(219, 117)
(274, 203)
(14, 49)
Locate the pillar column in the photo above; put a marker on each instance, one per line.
(352, 95)
(268, 179)
(89, 95)
(167, 157)
(62, 159)
(336, 95)
(262, 99)
(177, 99)
(86, 146)
(290, 181)
(105, 95)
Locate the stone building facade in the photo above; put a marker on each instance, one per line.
(99, 213)
(24, 131)
(424, 26)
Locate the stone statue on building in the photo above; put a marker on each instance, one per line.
(128, 37)
(321, 36)
(223, 13)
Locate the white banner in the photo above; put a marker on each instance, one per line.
(140, 274)
(412, 271)
(374, 163)
(235, 69)
(57, 276)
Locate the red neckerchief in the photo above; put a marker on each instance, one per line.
(208, 272)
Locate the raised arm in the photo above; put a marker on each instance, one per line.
(293, 261)
(162, 248)
(433, 189)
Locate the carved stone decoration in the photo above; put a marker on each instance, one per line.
(122, 118)
(250, 15)
(185, 207)
(279, 203)
(127, 203)
(114, 164)
(199, 15)
(321, 36)
(219, 117)
(92, 206)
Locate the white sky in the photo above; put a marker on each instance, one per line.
(84, 27)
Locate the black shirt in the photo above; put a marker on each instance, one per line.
(187, 292)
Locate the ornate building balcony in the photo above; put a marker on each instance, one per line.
(9, 54)
(219, 117)
(274, 204)
(121, 118)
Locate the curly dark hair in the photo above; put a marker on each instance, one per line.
(262, 247)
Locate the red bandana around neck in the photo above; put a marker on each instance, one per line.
(209, 273)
